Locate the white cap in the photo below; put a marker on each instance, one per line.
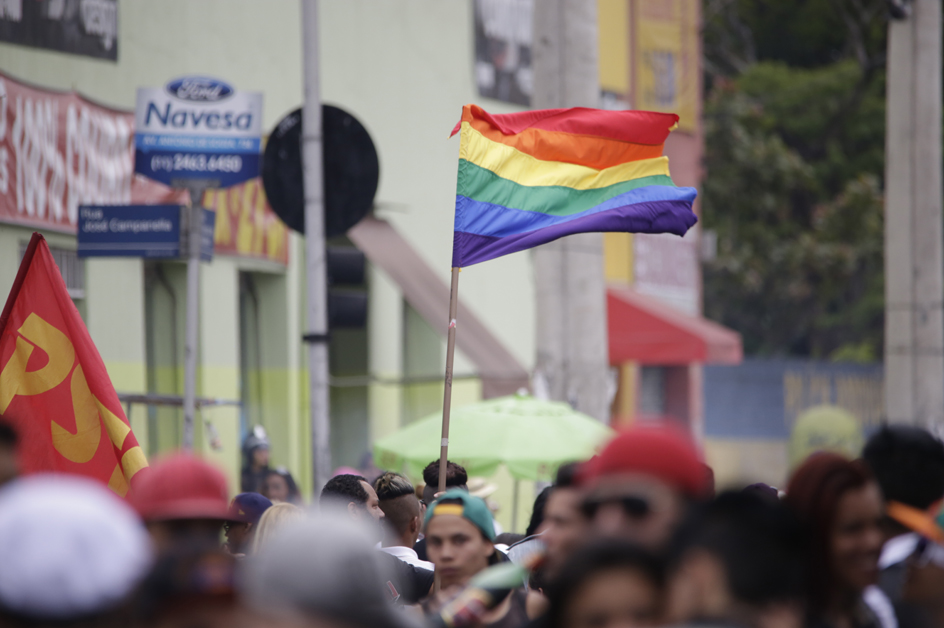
(69, 547)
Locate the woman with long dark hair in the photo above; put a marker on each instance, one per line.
(279, 486)
(840, 503)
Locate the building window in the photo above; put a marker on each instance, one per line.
(652, 393)
(70, 266)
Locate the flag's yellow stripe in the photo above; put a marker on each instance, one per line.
(513, 165)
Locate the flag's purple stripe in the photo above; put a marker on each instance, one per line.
(489, 219)
(673, 216)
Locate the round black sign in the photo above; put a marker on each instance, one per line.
(351, 171)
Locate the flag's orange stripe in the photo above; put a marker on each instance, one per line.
(597, 153)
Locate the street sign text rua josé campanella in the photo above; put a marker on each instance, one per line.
(196, 133)
(151, 231)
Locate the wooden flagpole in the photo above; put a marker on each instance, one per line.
(447, 389)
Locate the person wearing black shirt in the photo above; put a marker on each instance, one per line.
(353, 495)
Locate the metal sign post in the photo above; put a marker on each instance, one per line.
(196, 187)
(197, 133)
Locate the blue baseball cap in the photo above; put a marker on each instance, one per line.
(247, 507)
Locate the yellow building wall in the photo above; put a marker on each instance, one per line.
(618, 258)
(613, 22)
(649, 55)
(739, 462)
(666, 58)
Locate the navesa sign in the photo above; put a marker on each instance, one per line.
(197, 127)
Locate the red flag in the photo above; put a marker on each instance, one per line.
(54, 388)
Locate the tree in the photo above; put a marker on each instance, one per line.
(794, 126)
(799, 33)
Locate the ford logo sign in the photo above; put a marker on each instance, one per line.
(199, 89)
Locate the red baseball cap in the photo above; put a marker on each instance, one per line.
(181, 486)
(658, 449)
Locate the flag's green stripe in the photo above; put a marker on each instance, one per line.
(485, 186)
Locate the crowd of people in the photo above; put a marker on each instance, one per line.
(637, 536)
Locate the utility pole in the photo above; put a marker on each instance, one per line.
(572, 349)
(315, 268)
(914, 289)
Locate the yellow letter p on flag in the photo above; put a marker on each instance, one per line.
(54, 388)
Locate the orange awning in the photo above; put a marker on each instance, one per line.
(645, 330)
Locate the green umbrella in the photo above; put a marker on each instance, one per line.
(530, 437)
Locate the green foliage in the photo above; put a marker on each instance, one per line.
(799, 33)
(794, 160)
(794, 133)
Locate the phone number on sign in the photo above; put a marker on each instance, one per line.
(202, 163)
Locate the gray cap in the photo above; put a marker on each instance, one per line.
(322, 566)
(70, 547)
(255, 439)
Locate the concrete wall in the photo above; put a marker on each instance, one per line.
(159, 41)
(408, 87)
(405, 70)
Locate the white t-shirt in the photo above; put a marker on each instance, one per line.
(408, 555)
(876, 599)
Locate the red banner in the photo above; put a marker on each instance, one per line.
(59, 150)
(54, 388)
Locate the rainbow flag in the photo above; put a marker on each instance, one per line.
(529, 178)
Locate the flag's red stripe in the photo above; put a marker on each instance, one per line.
(636, 127)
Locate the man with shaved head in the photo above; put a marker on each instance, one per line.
(402, 516)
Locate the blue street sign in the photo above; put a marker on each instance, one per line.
(129, 231)
(198, 128)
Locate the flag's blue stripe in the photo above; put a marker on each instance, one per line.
(487, 219)
(667, 216)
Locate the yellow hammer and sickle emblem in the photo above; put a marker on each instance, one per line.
(14, 378)
(79, 446)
